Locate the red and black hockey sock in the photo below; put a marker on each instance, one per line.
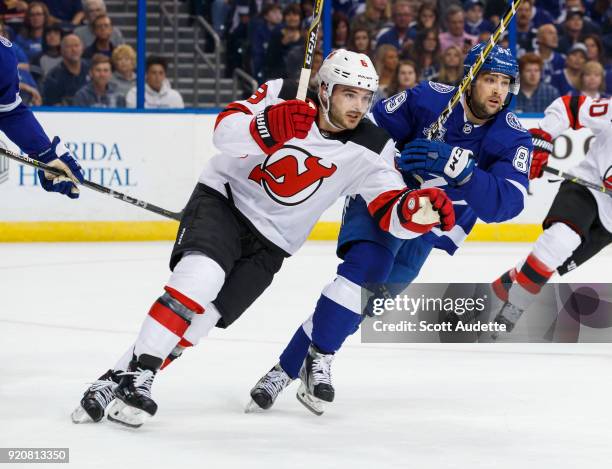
(534, 274)
(502, 285)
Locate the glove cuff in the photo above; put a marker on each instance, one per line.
(261, 133)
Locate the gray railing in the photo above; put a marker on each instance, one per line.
(199, 26)
(172, 19)
(240, 76)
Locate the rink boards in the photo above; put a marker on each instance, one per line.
(157, 157)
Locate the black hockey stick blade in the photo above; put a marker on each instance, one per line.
(96, 187)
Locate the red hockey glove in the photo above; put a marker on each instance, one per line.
(542, 148)
(277, 124)
(418, 217)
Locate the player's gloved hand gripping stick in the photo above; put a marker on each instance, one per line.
(91, 185)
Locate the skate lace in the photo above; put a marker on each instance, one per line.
(141, 380)
(321, 369)
(102, 391)
(274, 382)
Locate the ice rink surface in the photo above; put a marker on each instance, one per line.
(70, 310)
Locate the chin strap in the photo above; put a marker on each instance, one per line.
(326, 108)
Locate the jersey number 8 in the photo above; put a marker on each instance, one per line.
(521, 160)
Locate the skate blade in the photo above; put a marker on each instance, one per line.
(79, 415)
(127, 415)
(316, 406)
(253, 408)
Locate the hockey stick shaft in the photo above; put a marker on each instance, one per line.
(310, 48)
(577, 180)
(92, 185)
(469, 77)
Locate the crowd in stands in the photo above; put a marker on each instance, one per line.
(564, 46)
(71, 54)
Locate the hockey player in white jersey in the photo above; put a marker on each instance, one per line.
(579, 222)
(255, 204)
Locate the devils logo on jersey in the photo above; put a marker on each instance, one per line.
(607, 180)
(291, 175)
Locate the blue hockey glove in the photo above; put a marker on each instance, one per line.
(58, 156)
(454, 164)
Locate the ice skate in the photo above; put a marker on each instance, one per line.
(133, 405)
(97, 397)
(315, 375)
(267, 389)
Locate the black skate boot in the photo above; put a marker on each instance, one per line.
(267, 389)
(315, 374)
(133, 404)
(97, 397)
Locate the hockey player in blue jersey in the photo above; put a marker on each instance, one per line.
(19, 124)
(480, 158)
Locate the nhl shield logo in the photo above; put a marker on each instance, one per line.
(291, 175)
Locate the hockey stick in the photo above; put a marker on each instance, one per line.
(96, 187)
(311, 46)
(435, 128)
(577, 180)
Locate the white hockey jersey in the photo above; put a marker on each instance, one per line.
(576, 112)
(285, 193)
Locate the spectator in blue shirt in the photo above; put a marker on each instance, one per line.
(475, 23)
(65, 79)
(534, 95)
(567, 80)
(30, 36)
(66, 11)
(400, 35)
(260, 33)
(548, 41)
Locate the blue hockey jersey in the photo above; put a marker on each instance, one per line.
(502, 148)
(16, 120)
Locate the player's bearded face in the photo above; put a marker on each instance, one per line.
(489, 94)
(348, 106)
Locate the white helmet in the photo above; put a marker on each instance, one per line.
(343, 67)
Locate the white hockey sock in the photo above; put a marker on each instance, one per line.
(556, 244)
(196, 281)
(202, 324)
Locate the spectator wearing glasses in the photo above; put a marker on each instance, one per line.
(30, 37)
(102, 28)
(93, 9)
